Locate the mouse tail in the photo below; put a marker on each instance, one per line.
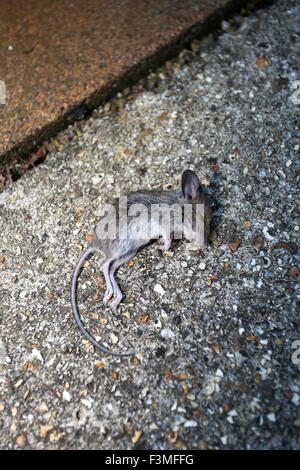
(85, 255)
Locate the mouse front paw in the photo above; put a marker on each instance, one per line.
(165, 243)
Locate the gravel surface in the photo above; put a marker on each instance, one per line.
(214, 331)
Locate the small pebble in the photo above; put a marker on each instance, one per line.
(166, 333)
(159, 290)
(271, 417)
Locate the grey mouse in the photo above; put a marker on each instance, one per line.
(132, 221)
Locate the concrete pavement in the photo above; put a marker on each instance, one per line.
(216, 332)
(61, 59)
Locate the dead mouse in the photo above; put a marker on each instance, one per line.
(132, 221)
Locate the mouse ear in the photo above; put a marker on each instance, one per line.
(190, 185)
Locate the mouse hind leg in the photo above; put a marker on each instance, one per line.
(109, 288)
(116, 290)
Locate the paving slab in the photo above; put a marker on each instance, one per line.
(59, 59)
(216, 332)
